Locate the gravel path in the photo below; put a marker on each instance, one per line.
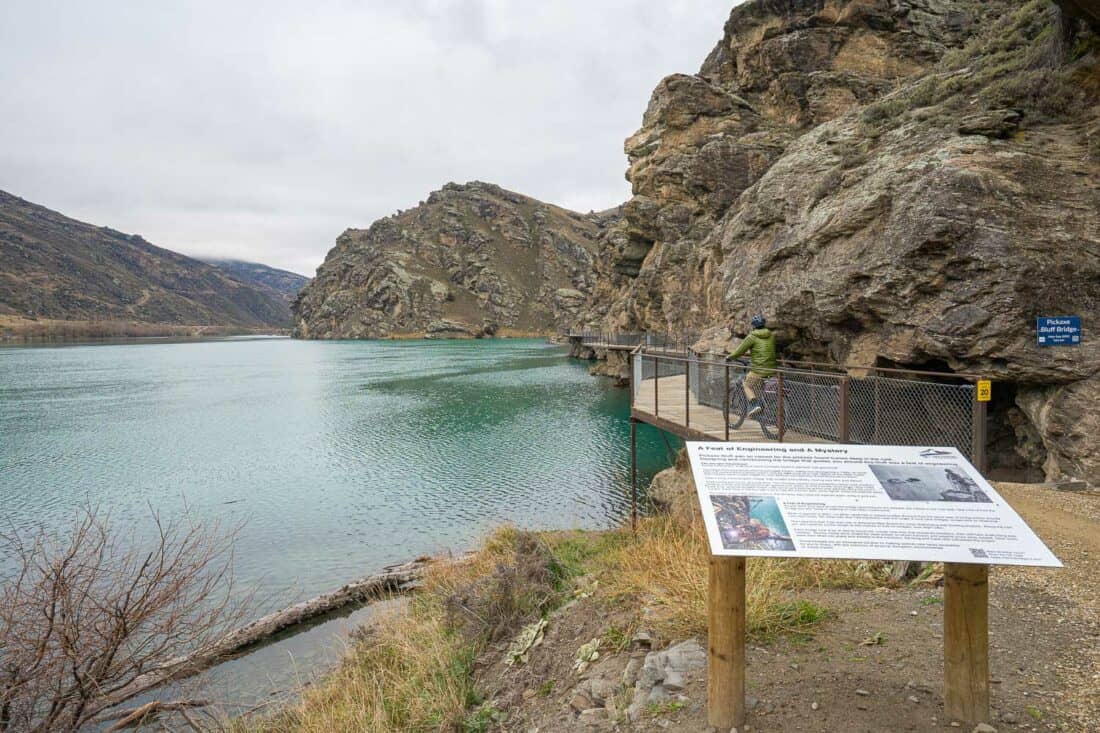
(1069, 523)
(877, 666)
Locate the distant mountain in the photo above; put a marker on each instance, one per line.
(53, 268)
(253, 273)
(473, 260)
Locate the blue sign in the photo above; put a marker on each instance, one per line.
(1059, 331)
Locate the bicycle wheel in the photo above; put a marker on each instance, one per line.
(769, 420)
(739, 407)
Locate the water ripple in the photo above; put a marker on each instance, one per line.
(338, 457)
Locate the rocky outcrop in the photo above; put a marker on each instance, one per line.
(473, 260)
(906, 182)
(55, 270)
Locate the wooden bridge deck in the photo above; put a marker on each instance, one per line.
(679, 412)
(608, 347)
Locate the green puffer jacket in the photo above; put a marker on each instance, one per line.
(762, 343)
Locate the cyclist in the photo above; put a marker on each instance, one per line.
(760, 343)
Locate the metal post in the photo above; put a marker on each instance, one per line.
(687, 394)
(845, 417)
(630, 367)
(779, 412)
(726, 404)
(978, 441)
(656, 384)
(877, 382)
(633, 475)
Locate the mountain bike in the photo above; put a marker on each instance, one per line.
(768, 417)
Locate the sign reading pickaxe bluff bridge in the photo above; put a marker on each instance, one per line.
(1059, 331)
(857, 502)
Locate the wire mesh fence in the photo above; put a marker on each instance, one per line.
(891, 411)
(676, 343)
(608, 338)
(833, 405)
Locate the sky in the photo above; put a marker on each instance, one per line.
(261, 130)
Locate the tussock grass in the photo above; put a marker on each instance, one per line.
(415, 672)
(415, 678)
(665, 566)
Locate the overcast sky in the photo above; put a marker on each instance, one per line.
(261, 130)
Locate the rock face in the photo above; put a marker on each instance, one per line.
(902, 182)
(473, 260)
(54, 267)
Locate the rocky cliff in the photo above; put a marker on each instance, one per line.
(472, 260)
(901, 182)
(57, 269)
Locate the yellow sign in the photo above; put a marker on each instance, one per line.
(985, 390)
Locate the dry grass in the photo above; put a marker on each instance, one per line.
(665, 567)
(15, 328)
(414, 678)
(415, 673)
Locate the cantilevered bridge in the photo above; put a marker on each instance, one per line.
(700, 397)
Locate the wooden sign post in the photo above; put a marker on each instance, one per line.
(966, 642)
(726, 643)
(803, 510)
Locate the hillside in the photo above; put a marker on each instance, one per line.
(253, 273)
(56, 269)
(894, 183)
(472, 260)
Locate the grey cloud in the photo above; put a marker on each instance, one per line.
(261, 130)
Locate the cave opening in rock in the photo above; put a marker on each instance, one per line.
(1014, 448)
(1013, 445)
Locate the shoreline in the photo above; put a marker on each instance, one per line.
(503, 334)
(16, 330)
(551, 630)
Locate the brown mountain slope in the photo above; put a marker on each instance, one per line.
(56, 268)
(286, 283)
(472, 260)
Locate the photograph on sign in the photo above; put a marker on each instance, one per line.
(856, 502)
(921, 483)
(750, 523)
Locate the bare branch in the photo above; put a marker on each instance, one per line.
(87, 613)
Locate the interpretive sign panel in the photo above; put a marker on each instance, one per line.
(1060, 331)
(857, 501)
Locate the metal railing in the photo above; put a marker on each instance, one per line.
(866, 405)
(670, 342)
(663, 342)
(608, 338)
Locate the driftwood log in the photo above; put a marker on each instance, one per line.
(393, 579)
(146, 712)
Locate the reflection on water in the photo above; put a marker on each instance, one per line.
(335, 457)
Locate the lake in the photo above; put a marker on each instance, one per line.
(335, 458)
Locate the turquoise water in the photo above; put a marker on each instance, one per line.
(767, 511)
(336, 458)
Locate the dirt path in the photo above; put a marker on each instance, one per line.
(877, 666)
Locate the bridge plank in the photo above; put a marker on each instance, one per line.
(688, 418)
